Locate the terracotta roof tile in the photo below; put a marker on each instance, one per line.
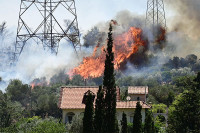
(131, 104)
(71, 98)
(137, 89)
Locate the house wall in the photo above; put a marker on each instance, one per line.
(135, 96)
(129, 113)
(75, 111)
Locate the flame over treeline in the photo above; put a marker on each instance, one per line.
(39, 82)
(124, 46)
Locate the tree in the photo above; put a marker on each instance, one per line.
(137, 119)
(149, 122)
(191, 59)
(88, 114)
(9, 111)
(19, 92)
(3, 32)
(124, 123)
(99, 111)
(77, 80)
(77, 124)
(184, 114)
(60, 78)
(110, 87)
(93, 37)
(37, 125)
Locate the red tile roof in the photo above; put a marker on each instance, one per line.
(131, 104)
(138, 89)
(71, 98)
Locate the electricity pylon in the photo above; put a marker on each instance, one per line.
(43, 21)
(155, 14)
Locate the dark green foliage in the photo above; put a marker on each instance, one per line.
(77, 124)
(60, 78)
(162, 94)
(99, 111)
(124, 123)
(184, 114)
(110, 87)
(9, 111)
(77, 80)
(130, 127)
(159, 108)
(37, 125)
(19, 92)
(5, 116)
(170, 98)
(191, 59)
(47, 106)
(175, 63)
(167, 76)
(149, 122)
(137, 119)
(93, 37)
(88, 115)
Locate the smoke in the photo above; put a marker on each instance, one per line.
(182, 39)
(184, 30)
(187, 17)
(134, 44)
(35, 62)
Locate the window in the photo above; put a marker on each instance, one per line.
(69, 117)
(131, 119)
(138, 98)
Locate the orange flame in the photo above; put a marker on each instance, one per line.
(124, 46)
(32, 86)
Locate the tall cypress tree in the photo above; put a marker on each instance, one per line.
(99, 111)
(149, 122)
(124, 123)
(110, 87)
(88, 114)
(137, 119)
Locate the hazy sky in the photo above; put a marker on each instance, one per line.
(90, 12)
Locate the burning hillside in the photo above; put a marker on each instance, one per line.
(125, 45)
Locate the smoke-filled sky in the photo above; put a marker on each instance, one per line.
(90, 12)
(183, 35)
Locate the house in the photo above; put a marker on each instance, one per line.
(138, 93)
(71, 101)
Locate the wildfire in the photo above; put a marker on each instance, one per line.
(32, 85)
(124, 46)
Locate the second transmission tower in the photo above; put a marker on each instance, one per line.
(155, 15)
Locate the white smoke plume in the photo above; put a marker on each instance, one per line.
(184, 26)
(35, 62)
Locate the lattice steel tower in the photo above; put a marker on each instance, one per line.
(155, 15)
(43, 21)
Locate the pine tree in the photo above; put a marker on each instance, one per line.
(137, 119)
(110, 88)
(149, 122)
(99, 111)
(88, 114)
(124, 123)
